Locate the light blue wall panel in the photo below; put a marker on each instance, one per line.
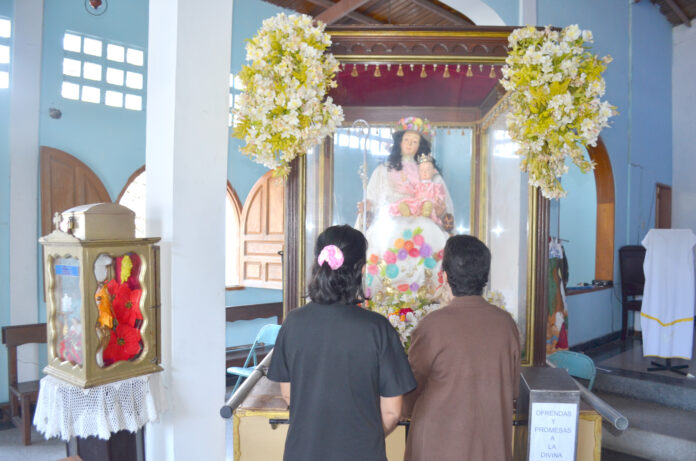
(590, 316)
(578, 224)
(508, 10)
(242, 173)
(644, 107)
(111, 141)
(6, 11)
(651, 112)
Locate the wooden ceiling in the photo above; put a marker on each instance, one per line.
(398, 12)
(677, 11)
(430, 12)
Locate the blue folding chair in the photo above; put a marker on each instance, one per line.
(576, 364)
(267, 336)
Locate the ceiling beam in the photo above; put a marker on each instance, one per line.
(679, 12)
(440, 11)
(339, 10)
(359, 17)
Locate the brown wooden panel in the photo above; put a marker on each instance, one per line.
(254, 311)
(604, 181)
(16, 335)
(541, 280)
(339, 10)
(263, 232)
(66, 182)
(274, 272)
(275, 208)
(253, 214)
(663, 206)
(604, 257)
(263, 248)
(252, 270)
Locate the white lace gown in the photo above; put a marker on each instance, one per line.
(404, 252)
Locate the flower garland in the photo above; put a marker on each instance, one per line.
(555, 87)
(284, 110)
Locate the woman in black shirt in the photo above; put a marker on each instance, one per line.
(341, 368)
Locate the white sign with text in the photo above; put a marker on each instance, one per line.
(552, 431)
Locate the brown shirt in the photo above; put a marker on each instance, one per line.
(466, 360)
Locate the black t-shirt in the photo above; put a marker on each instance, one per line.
(339, 360)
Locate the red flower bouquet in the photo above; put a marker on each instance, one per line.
(118, 300)
(124, 344)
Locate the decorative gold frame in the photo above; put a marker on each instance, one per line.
(422, 46)
(89, 374)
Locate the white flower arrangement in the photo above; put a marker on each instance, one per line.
(555, 86)
(496, 298)
(405, 319)
(284, 109)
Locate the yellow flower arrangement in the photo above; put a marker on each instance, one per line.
(555, 86)
(284, 109)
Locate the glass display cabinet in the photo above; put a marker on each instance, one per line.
(449, 77)
(102, 296)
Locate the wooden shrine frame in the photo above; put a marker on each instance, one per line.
(415, 45)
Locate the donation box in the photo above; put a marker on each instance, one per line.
(102, 296)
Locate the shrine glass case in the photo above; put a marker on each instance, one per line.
(451, 79)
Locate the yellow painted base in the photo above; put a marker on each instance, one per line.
(256, 440)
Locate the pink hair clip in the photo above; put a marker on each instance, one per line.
(332, 255)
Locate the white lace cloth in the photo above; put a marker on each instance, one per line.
(67, 411)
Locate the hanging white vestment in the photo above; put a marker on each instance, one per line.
(667, 313)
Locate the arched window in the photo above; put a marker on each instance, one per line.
(233, 211)
(133, 197)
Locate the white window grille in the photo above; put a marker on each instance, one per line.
(99, 71)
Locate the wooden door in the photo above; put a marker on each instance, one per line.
(263, 231)
(663, 206)
(66, 182)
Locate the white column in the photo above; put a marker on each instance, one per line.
(186, 160)
(528, 13)
(25, 92)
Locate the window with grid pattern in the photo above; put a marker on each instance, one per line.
(5, 36)
(99, 71)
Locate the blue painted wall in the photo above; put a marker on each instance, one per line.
(111, 141)
(638, 37)
(242, 173)
(7, 11)
(574, 219)
(508, 10)
(651, 113)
